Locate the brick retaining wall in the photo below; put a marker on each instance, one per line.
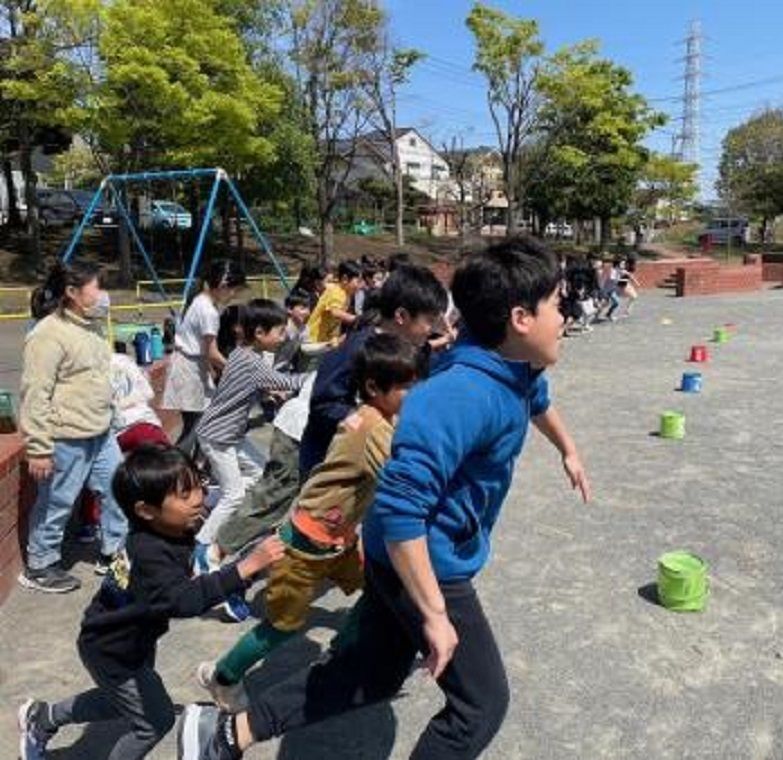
(17, 489)
(711, 278)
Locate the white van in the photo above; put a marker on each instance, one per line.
(722, 230)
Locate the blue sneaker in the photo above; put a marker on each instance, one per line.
(236, 608)
(35, 730)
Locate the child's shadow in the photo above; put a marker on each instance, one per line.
(96, 742)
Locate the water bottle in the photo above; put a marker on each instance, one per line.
(141, 342)
(156, 344)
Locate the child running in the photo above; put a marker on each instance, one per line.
(332, 311)
(428, 531)
(320, 536)
(222, 431)
(159, 491)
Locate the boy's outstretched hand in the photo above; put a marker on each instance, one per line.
(265, 553)
(577, 475)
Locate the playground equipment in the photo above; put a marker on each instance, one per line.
(112, 189)
(720, 335)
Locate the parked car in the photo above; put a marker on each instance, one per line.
(169, 215)
(559, 230)
(723, 230)
(56, 207)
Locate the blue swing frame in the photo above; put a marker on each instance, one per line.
(110, 184)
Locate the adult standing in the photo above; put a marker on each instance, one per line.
(66, 413)
(190, 382)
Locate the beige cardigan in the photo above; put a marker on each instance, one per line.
(66, 386)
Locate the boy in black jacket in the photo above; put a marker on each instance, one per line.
(159, 491)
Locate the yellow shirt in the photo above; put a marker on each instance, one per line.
(322, 325)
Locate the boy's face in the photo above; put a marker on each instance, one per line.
(535, 338)
(269, 340)
(388, 403)
(299, 314)
(415, 329)
(179, 515)
(351, 284)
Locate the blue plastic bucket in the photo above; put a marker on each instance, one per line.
(691, 382)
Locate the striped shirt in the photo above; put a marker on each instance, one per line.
(224, 422)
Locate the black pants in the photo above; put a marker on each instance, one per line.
(371, 659)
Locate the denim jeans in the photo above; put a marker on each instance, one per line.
(79, 462)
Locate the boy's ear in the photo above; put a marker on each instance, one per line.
(371, 388)
(520, 320)
(401, 315)
(144, 511)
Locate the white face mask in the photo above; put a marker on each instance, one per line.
(100, 309)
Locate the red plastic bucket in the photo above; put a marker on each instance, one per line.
(699, 354)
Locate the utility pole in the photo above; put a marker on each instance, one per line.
(687, 143)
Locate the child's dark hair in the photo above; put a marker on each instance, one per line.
(387, 360)
(150, 473)
(297, 297)
(232, 316)
(227, 274)
(349, 270)
(489, 284)
(397, 260)
(262, 313)
(51, 295)
(414, 289)
(308, 277)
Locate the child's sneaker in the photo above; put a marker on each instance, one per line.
(228, 697)
(236, 608)
(35, 730)
(51, 580)
(206, 733)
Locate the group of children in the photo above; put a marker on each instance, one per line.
(370, 483)
(592, 291)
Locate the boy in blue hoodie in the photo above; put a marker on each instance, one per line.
(428, 532)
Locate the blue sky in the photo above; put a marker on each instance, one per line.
(743, 57)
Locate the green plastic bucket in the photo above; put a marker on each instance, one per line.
(720, 335)
(682, 582)
(673, 425)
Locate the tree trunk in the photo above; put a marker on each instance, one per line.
(327, 242)
(606, 232)
(14, 217)
(577, 225)
(399, 231)
(30, 198)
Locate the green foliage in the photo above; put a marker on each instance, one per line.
(664, 182)
(590, 132)
(751, 166)
(177, 89)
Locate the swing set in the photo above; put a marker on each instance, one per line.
(112, 189)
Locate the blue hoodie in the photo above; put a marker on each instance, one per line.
(453, 457)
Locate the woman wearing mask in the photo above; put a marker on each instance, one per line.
(65, 417)
(190, 383)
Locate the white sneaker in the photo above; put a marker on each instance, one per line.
(231, 697)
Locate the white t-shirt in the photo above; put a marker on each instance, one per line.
(131, 394)
(291, 418)
(200, 320)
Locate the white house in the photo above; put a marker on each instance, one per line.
(427, 169)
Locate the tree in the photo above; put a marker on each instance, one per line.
(751, 167)
(664, 182)
(389, 69)
(39, 80)
(333, 42)
(508, 54)
(175, 87)
(591, 130)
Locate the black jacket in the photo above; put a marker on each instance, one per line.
(139, 596)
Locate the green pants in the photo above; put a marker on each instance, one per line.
(267, 502)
